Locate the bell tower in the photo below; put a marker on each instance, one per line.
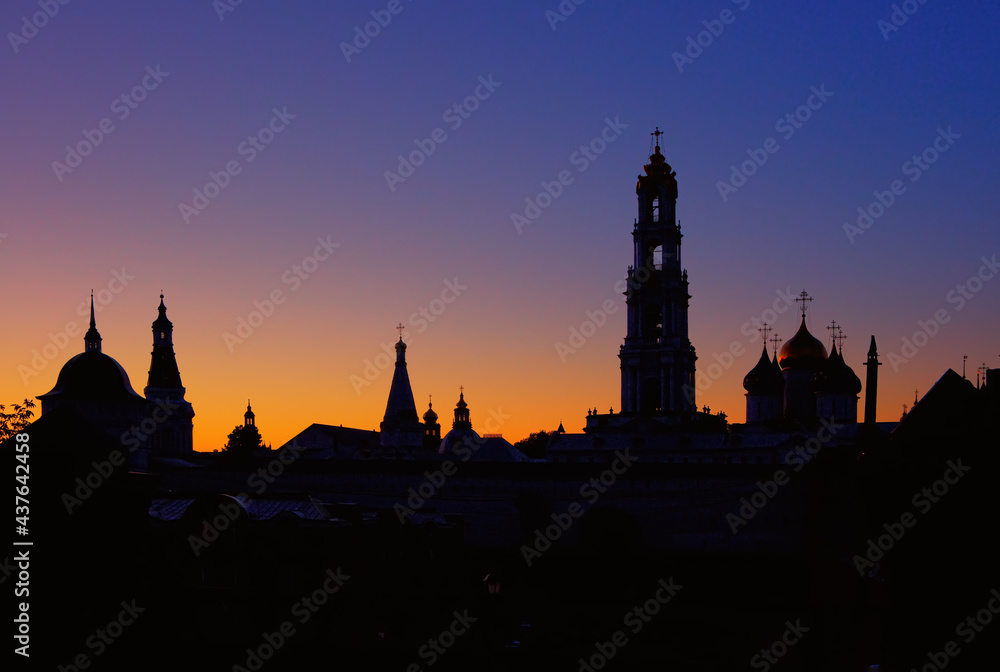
(173, 415)
(657, 359)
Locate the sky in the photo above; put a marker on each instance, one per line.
(297, 187)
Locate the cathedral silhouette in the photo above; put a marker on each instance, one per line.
(747, 526)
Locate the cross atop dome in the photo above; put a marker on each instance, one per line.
(832, 328)
(803, 301)
(764, 330)
(774, 342)
(399, 328)
(840, 337)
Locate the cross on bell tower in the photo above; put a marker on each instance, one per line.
(657, 358)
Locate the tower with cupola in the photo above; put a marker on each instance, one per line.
(170, 425)
(657, 359)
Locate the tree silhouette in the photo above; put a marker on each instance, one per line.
(12, 423)
(244, 440)
(535, 445)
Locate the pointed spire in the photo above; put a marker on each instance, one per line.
(92, 339)
(249, 418)
(871, 383)
(163, 371)
(400, 409)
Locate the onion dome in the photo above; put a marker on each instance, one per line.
(837, 376)
(764, 378)
(430, 417)
(802, 351)
(658, 164)
(658, 171)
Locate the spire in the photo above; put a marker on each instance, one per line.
(163, 371)
(871, 383)
(249, 418)
(92, 339)
(174, 435)
(400, 408)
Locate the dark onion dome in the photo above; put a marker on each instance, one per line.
(430, 417)
(764, 378)
(802, 351)
(92, 375)
(837, 376)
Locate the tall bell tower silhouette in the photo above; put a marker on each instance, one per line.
(657, 359)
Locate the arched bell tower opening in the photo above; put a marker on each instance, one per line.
(657, 359)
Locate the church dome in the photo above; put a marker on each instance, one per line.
(92, 375)
(802, 351)
(764, 378)
(430, 417)
(837, 376)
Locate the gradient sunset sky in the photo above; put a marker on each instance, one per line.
(114, 222)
